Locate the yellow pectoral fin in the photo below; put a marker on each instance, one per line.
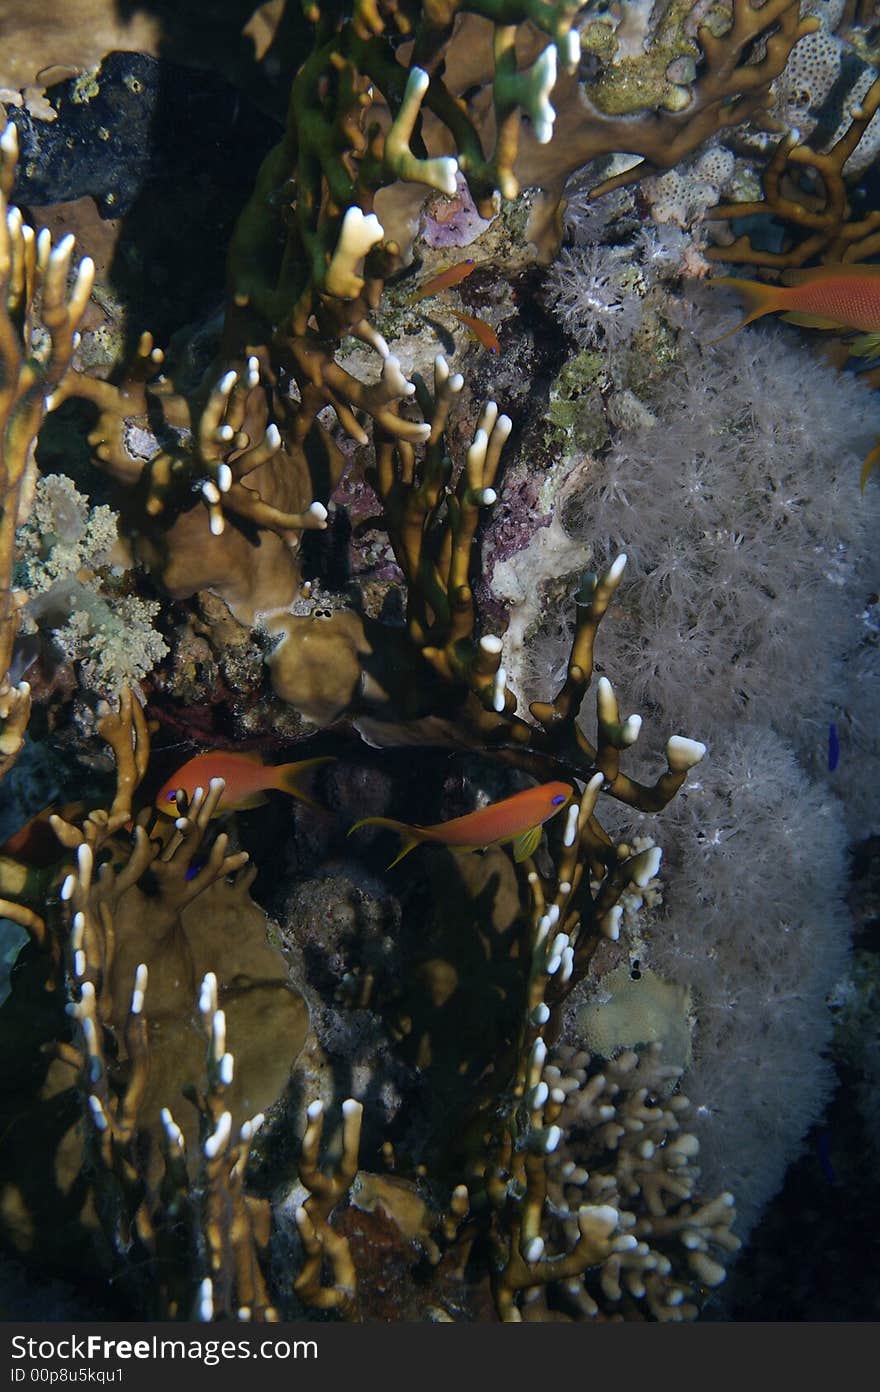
(865, 346)
(526, 843)
(810, 321)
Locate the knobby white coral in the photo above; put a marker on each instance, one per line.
(61, 535)
(63, 555)
(114, 644)
(626, 1144)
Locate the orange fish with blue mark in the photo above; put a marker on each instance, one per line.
(246, 777)
(479, 330)
(517, 819)
(453, 275)
(840, 297)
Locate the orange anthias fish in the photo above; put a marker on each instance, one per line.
(827, 297)
(518, 819)
(247, 780)
(842, 297)
(453, 275)
(482, 332)
(35, 842)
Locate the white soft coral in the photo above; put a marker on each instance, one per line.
(592, 292)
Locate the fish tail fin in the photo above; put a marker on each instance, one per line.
(760, 299)
(410, 836)
(289, 778)
(869, 466)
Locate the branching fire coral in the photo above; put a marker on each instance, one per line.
(732, 57)
(805, 188)
(34, 301)
(437, 682)
(248, 441)
(133, 940)
(569, 1157)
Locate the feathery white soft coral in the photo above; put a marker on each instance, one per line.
(588, 289)
(743, 625)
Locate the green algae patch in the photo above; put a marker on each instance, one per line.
(576, 410)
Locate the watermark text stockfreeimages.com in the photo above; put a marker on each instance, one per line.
(99, 1348)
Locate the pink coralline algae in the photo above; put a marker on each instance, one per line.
(452, 222)
(516, 522)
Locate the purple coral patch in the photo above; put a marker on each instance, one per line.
(452, 222)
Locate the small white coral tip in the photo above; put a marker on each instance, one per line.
(683, 754)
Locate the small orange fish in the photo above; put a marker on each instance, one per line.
(827, 297)
(246, 777)
(453, 275)
(518, 819)
(35, 843)
(482, 332)
(841, 297)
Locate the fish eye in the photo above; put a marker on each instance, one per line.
(560, 797)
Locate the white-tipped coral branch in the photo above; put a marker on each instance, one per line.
(327, 1187)
(358, 234)
(34, 295)
(621, 1151)
(401, 163)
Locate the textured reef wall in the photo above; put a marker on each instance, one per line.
(509, 1005)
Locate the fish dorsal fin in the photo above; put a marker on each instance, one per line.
(844, 270)
(526, 843)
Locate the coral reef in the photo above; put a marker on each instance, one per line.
(272, 1075)
(627, 1148)
(728, 59)
(551, 1225)
(136, 954)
